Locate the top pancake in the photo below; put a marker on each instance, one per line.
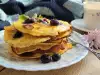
(41, 29)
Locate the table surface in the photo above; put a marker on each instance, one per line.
(90, 65)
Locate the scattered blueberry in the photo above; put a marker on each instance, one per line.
(18, 34)
(54, 22)
(56, 57)
(45, 58)
(28, 21)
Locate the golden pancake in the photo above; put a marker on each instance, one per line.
(64, 34)
(31, 38)
(39, 53)
(25, 41)
(41, 46)
(9, 32)
(41, 29)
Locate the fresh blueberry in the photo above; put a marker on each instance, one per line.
(45, 58)
(18, 34)
(28, 21)
(54, 22)
(56, 57)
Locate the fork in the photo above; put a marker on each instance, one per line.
(97, 54)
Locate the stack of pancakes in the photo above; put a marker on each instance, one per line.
(32, 40)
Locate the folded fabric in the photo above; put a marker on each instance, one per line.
(60, 9)
(49, 8)
(11, 7)
(3, 16)
(75, 6)
(3, 23)
(27, 2)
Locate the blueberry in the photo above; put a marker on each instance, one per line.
(18, 34)
(45, 58)
(56, 57)
(54, 22)
(28, 21)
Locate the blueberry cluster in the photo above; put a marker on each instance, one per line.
(47, 58)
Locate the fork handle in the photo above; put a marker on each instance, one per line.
(95, 53)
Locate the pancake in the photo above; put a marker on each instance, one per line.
(41, 29)
(38, 53)
(25, 41)
(62, 35)
(33, 37)
(41, 46)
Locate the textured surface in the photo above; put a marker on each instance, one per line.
(1, 68)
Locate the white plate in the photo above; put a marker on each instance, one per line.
(80, 25)
(71, 57)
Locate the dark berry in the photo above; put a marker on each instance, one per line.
(45, 58)
(28, 21)
(56, 57)
(54, 22)
(18, 34)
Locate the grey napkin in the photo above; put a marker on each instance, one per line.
(3, 16)
(75, 6)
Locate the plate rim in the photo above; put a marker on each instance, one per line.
(46, 69)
